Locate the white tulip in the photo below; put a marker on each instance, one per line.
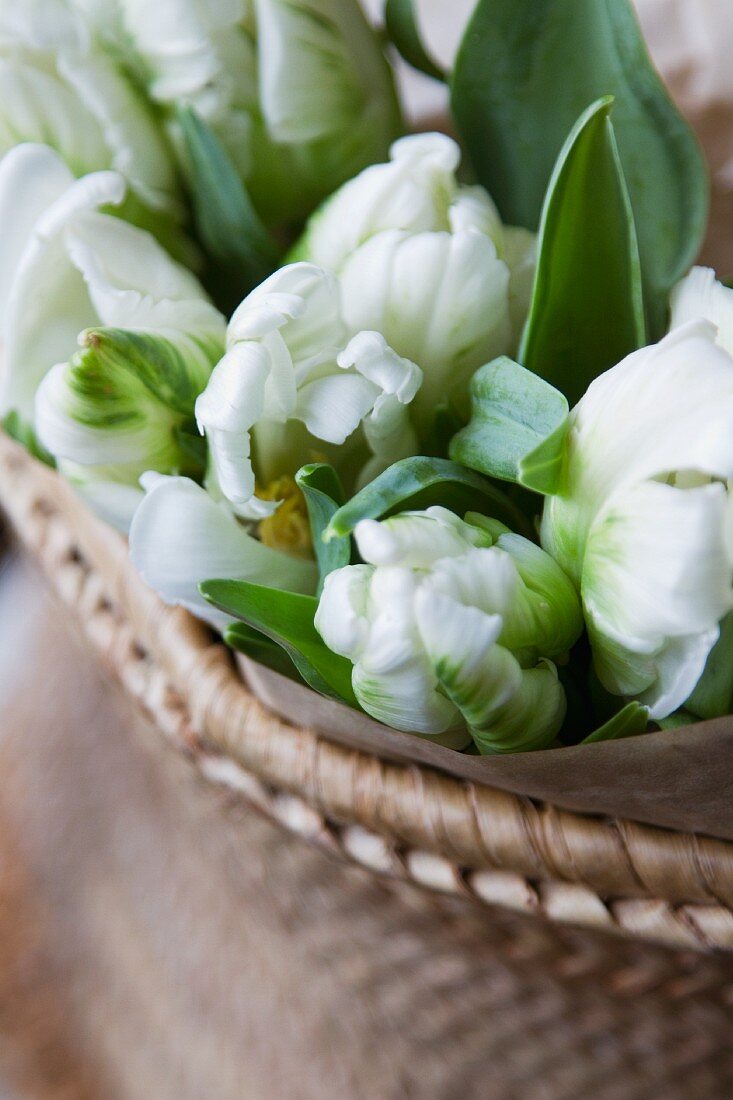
(295, 89)
(641, 520)
(291, 382)
(452, 627)
(113, 409)
(426, 262)
(58, 88)
(180, 536)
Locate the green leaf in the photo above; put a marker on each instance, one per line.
(401, 23)
(525, 71)
(260, 648)
(286, 618)
(713, 695)
(517, 429)
(22, 432)
(587, 311)
(676, 721)
(630, 721)
(417, 483)
(324, 495)
(241, 249)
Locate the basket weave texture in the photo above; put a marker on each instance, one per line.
(494, 847)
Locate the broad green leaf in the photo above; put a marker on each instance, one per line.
(417, 483)
(517, 429)
(324, 496)
(402, 28)
(286, 618)
(525, 71)
(630, 721)
(713, 695)
(260, 648)
(241, 250)
(586, 312)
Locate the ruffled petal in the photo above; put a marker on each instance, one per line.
(416, 540)
(441, 300)
(134, 283)
(302, 302)
(231, 404)
(341, 619)
(333, 407)
(656, 583)
(412, 192)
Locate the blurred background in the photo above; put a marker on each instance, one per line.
(127, 902)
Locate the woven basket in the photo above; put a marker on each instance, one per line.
(485, 845)
(533, 1008)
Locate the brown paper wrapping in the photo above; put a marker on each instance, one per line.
(679, 779)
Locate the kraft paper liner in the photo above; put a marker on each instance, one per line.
(678, 779)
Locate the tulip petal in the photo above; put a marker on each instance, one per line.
(333, 407)
(341, 619)
(440, 300)
(656, 583)
(134, 283)
(700, 296)
(47, 303)
(231, 404)
(416, 539)
(411, 193)
(309, 82)
(180, 537)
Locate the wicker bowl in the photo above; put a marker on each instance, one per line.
(446, 834)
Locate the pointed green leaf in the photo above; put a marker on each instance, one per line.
(586, 312)
(402, 28)
(324, 495)
(241, 249)
(417, 483)
(286, 618)
(260, 648)
(630, 721)
(525, 71)
(517, 429)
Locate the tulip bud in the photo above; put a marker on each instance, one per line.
(298, 91)
(426, 262)
(452, 627)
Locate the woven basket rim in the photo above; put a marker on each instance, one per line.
(406, 820)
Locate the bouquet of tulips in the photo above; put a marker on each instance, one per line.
(442, 428)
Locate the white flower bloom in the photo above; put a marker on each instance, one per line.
(452, 626)
(293, 88)
(113, 409)
(426, 262)
(699, 296)
(181, 537)
(642, 517)
(58, 89)
(287, 384)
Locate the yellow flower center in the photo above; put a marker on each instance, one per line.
(288, 528)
